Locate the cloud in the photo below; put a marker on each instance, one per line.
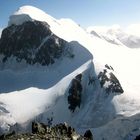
(103, 29)
(133, 29)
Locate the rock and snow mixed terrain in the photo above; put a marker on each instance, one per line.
(42, 131)
(40, 60)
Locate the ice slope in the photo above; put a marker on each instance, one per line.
(38, 104)
(97, 111)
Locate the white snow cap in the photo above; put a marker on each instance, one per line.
(64, 28)
(28, 13)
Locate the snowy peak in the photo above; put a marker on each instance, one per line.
(34, 37)
(64, 28)
(28, 13)
(33, 42)
(29, 10)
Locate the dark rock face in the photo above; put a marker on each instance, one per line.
(137, 137)
(88, 135)
(74, 98)
(38, 128)
(95, 34)
(41, 131)
(33, 42)
(109, 81)
(109, 67)
(60, 131)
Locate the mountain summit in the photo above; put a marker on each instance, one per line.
(53, 71)
(28, 13)
(29, 39)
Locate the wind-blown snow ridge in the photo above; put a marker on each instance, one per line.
(26, 13)
(64, 28)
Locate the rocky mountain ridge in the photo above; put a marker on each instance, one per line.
(32, 42)
(41, 131)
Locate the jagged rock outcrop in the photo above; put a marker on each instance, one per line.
(109, 81)
(33, 42)
(74, 98)
(88, 135)
(41, 131)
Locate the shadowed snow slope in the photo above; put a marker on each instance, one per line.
(36, 92)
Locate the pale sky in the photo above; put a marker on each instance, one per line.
(84, 12)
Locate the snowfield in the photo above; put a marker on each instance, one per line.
(30, 93)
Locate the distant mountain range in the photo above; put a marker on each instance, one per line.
(116, 35)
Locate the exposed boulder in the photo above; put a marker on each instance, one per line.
(88, 135)
(109, 81)
(74, 98)
(38, 128)
(31, 41)
(4, 136)
(41, 131)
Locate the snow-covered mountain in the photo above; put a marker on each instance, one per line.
(116, 35)
(53, 69)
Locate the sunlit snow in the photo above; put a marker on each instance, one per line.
(35, 92)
